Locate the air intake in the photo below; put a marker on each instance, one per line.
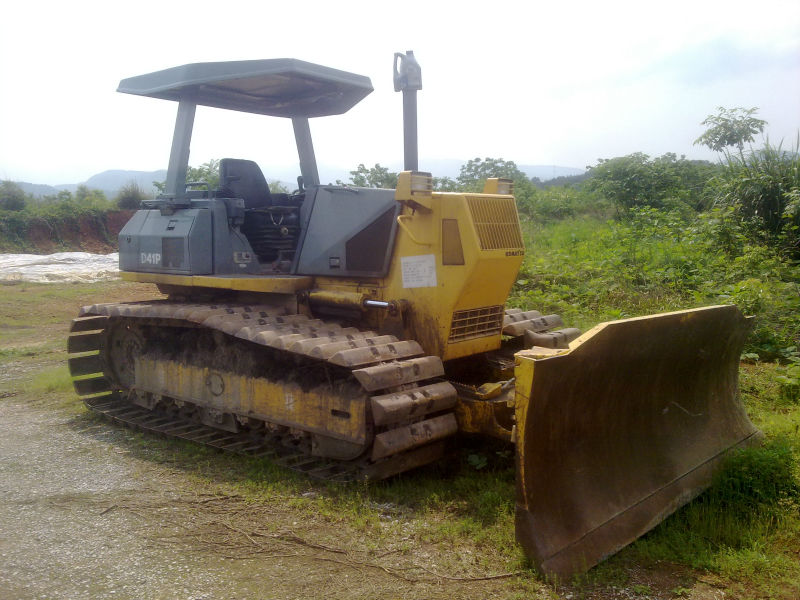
(476, 322)
(496, 222)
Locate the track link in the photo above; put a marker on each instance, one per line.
(413, 407)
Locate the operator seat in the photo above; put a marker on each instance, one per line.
(240, 178)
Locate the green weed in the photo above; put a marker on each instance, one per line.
(52, 380)
(655, 261)
(737, 520)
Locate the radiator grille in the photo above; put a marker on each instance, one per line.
(476, 322)
(496, 222)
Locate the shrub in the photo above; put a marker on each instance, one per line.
(11, 196)
(637, 181)
(763, 189)
(130, 196)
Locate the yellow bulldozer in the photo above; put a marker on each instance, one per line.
(353, 333)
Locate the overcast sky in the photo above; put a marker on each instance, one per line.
(561, 83)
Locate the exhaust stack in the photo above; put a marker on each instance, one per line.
(408, 79)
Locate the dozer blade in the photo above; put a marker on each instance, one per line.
(618, 432)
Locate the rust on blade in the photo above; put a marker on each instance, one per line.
(615, 434)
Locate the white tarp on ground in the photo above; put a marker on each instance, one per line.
(62, 267)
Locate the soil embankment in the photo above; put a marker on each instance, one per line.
(92, 231)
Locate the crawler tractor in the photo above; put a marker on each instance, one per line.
(352, 333)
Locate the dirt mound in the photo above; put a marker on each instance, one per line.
(96, 233)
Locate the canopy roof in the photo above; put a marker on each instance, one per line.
(280, 87)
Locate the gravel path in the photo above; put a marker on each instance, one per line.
(81, 518)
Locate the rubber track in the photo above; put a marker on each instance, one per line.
(395, 363)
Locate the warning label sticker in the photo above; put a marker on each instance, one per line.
(418, 271)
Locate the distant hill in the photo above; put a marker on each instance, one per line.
(109, 182)
(114, 180)
(40, 189)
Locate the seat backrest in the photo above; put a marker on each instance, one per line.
(239, 178)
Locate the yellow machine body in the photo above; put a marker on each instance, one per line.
(455, 259)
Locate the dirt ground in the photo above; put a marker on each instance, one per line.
(84, 519)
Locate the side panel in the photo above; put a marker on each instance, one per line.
(349, 232)
(155, 243)
(454, 266)
(199, 240)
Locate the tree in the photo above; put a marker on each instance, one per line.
(130, 196)
(475, 172)
(86, 196)
(445, 184)
(730, 127)
(207, 172)
(375, 177)
(277, 187)
(11, 196)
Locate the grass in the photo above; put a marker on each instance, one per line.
(50, 381)
(590, 271)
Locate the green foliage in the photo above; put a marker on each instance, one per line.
(11, 196)
(752, 497)
(730, 127)
(52, 380)
(475, 172)
(655, 261)
(763, 189)
(13, 229)
(130, 196)
(636, 180)
(445, 184)
(276, 187)
(206, 173)
(89, 197)
(789, 380)
(755, 481)
(60, 219)
(477, 461)
(557, 203)
(374, 177)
